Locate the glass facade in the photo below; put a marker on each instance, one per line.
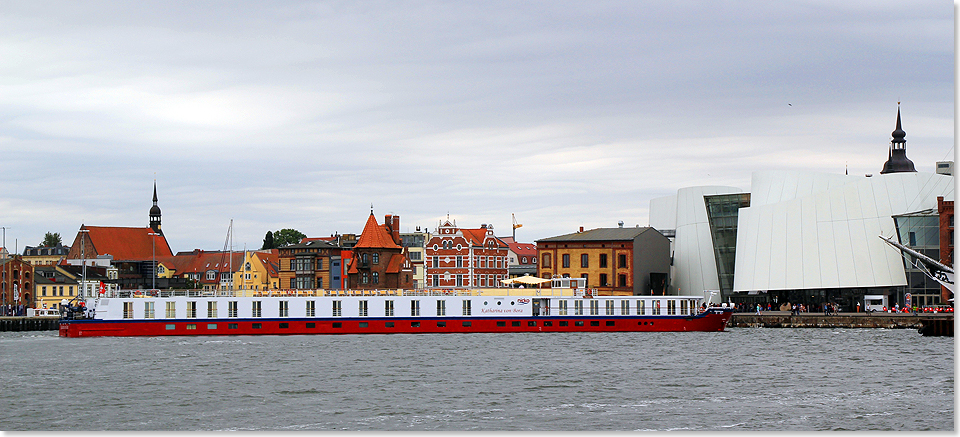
(722, 213)
(919, 231)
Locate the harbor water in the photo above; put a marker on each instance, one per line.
(744, 379)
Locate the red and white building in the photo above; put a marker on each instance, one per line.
(461, 258)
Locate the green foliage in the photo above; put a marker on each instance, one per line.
(286, 237)
(51, 239)
(268, 242)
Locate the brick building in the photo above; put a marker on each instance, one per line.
(614, 261)
(311, 264)
(16, 286)
(135, 252)
(458, 257)
(378, 260)
(945, 211)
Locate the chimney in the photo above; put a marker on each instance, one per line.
(393, 224)
(581, 228)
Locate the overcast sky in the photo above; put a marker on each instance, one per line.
(303, 114)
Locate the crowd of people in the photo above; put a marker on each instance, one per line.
(13, 310)
(828, 308)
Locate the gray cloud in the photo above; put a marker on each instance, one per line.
(302, 114)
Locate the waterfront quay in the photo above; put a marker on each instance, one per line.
(29, 323)
(784, 319)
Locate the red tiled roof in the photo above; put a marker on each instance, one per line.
(374, 235)
(396, 263)
(199, 261)
(126, 244)
(528, 249)
(474, 236)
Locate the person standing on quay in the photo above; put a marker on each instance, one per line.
(758, 309)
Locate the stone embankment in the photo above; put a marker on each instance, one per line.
(29, 323)
(783, 319)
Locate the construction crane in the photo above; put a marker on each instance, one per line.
(515, 226)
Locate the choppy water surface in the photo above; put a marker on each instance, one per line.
(742, 379)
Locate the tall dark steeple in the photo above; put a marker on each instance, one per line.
(155, 212)
(897, 161)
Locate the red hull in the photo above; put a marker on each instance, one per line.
(710, 322)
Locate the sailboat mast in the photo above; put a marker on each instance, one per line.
(230, 236)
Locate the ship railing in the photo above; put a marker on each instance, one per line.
(162, 293)
(436, 292)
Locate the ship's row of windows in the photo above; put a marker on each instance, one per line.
(149, 310)
(466, 324)
(610, 308)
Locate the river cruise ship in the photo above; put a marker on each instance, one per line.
(157, 313)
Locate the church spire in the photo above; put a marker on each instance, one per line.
(897, 161)
(155, 212)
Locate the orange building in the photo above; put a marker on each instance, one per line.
(614, 261)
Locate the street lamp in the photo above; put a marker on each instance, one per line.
(83, 260)
(154, 265)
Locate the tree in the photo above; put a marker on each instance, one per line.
(51, 239)
(285, 237)
(268, 242)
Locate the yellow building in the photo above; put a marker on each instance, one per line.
(45, 256)
(52, 284)
(258, 272)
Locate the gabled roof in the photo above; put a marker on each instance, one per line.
(396, 263)
(601, 234)
(124, 244)
(375, 236)
(200, 261)
(270, 260)
(474, 236)
(528, 249)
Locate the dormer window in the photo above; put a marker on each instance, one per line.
(211, 275)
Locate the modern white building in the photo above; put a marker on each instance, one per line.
(797, 236)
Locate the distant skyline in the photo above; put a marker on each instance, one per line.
(301, 115)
